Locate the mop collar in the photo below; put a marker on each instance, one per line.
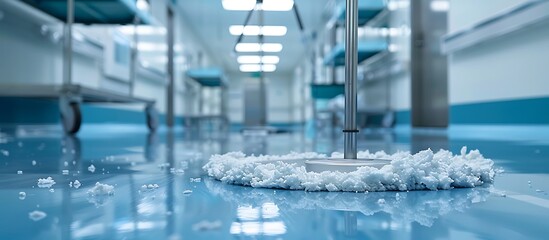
(351, 130)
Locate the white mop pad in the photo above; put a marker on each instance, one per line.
(422, 171)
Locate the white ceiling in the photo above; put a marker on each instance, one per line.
(211, 23)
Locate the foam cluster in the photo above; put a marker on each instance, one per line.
(425, 170)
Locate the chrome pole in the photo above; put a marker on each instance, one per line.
(67, 44)
(351, 60)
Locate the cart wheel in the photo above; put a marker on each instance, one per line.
(71, 118)
(152, 118)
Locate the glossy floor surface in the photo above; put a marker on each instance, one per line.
(516, 206)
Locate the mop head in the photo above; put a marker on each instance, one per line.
(422, 171)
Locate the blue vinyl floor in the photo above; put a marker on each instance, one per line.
(516, 206)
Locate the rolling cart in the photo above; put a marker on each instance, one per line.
(211, 78)
(72, 95)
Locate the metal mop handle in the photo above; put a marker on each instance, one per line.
(351, 60)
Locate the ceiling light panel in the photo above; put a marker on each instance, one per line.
(258, 59)
(257, 68)
(268, 5)
(256, 47)
(253, 30)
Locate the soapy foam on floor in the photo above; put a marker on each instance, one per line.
(46, 182)
(91, 168)
(101, 190)
(76, 184)
(22, 195)
(425, 170)
(150, 187)
(37, 215)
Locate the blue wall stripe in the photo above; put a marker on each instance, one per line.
(403, 117)
(28, 111)
(46, 111)
(523, 111)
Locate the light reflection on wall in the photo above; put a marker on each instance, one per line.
(262, 220)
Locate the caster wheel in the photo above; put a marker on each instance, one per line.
(152, 118)
(71, 118)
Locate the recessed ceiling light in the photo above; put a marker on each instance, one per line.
(268, 5)
(142, 5)
(440, 6)
(257, 68)
(254, 30)
(256, 47)
(258, 59)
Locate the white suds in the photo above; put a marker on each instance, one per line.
(195, 179)
(19, 172)
(22, 195)
(149, 187)
(37, 215)
(33, 163)
(187, 192)
(163, 165)
(91, 168)
(178, 171)
(381, 201)
(5, 153)
(422, 171)
(66, 164)
(52, 190)
(207, 225)
(65, 172)
(101, 190)
(76, 184)
(45, 182)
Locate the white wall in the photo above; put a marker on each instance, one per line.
(511, 67)
(464, 13)
(280, 97)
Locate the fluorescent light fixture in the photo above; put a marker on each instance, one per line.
(256, 47)
(142, 5)
(254, 30)
(268, 5)
(258, 59)
(397, 4)
(257, 68)
(143, 30)
(440, 6)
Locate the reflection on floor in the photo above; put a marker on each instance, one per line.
(187, 205)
